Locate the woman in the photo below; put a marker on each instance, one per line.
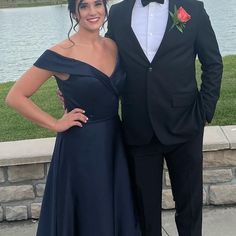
(87, 191)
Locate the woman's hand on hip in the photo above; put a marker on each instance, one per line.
(75, 117)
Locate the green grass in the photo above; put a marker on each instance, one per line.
(14, 127)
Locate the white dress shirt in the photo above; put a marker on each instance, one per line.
(149, 25)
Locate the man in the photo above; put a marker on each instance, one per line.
(163, 111)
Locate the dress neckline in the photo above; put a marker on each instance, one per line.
(85, 63)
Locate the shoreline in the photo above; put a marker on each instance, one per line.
(232, 56)
(22, 4)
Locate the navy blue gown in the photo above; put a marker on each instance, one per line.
(88, 191)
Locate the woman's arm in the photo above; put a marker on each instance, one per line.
(19, 99)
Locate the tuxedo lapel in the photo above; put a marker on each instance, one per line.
(172, 3)
(130, 33)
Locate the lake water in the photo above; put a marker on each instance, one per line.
(26, 32)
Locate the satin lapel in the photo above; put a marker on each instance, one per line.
(130, 33)
(172, 3)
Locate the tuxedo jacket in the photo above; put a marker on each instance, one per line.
(162, 97)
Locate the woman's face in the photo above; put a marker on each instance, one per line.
(91, 14)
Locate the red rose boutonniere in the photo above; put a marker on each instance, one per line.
(179, 17)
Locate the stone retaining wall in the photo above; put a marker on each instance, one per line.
(24, 167)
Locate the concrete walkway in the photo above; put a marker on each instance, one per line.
(216, 222)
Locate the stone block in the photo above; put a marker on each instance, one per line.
(217, 176)
(15, 193)
(214, 139)
(1, 214)
(165, 165)
(16, 213)
(25, 172)
(2, 179)
(167, 179)
(167, 199)
(223, 194)
(217, 159)
(48, 167)
(35, 210)
(204, 196)
(230, 132)
(40, 189)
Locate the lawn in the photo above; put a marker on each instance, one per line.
(14, 127)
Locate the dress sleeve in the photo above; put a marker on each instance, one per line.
(52, 61)
(56, 62)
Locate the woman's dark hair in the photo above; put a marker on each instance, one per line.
(72, 10)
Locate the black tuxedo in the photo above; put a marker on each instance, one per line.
(164, 112)
(162, 97)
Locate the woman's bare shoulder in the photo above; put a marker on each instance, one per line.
(111, 45)
(64, 48)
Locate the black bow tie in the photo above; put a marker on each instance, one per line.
(146, 2)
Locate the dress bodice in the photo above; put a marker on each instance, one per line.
(87, 87)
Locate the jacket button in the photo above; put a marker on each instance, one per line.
(150, 69)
